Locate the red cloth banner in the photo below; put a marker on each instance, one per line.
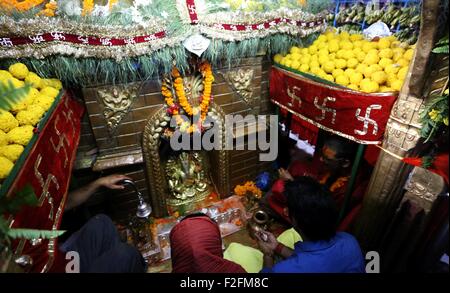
(357, 116)
(48, 169)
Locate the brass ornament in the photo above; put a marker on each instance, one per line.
(423, 187)
(240, 81)
(117, 101)
(158, 187)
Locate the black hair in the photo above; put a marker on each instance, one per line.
(312, 207)
(344, 148)
(194, 215)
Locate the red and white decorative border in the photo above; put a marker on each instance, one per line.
(39, 38)
(78, 39)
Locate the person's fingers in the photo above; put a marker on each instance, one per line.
(119, 177)
(262, 237)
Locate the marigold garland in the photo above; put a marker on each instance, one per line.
(50, 9)
(20, 5)
(174, 109)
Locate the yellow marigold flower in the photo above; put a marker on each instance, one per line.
(19, 70)
(434, 114)
(46, 82)
(50, 91)
(3, 138)
(32, 94)
(47, 12)
(5, 75)
(20, 135)
(445, 120)
(44, 101)
(12, 152)
(5, 167)
(31, 116)
(7, 121)
(34, 80)
(55, 83)
(22, 105)
(15, 82)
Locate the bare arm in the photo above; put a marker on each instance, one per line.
(79, 196)
(268, 261)
(284, 251)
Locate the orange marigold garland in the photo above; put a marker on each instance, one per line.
(20, 5)
(50, 9)
(183, 103)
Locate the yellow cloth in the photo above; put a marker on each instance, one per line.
(251, 259)
(289, 238)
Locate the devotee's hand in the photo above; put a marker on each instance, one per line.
(112, 181)
(285, 175)
(266, 242)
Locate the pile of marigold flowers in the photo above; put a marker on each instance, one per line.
(248, 187)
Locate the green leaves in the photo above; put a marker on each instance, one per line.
(441, 46)
(10, 95)
(12, 205)
(441, 50)
(34, 234)
(433, 115)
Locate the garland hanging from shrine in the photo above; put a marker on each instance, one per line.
(42, 36)
(174, 108)
(138, 42)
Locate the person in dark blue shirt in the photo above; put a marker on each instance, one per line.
(314, 216)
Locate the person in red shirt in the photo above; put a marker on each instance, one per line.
(196, 247)
(330, 166)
